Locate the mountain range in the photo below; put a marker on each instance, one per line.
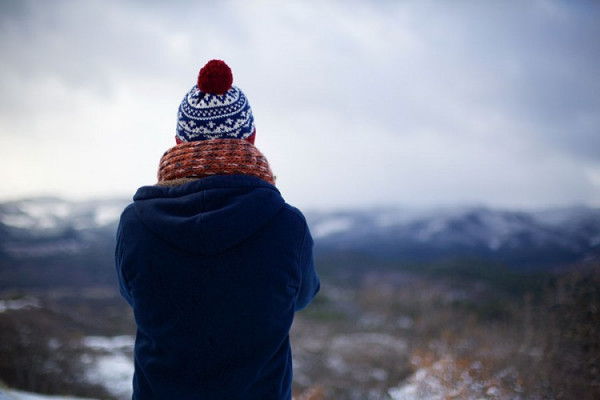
(47, 240)
(533, 239)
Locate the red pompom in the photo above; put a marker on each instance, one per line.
(215, 77)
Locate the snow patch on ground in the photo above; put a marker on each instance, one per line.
(19, 395)
(444, 379)
(110, 363)
(352, 342)
(111, 343)
(25, 302)
(113, 371)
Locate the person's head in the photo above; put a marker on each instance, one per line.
(214, 108)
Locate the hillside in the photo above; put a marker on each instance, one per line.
(51, 236)
(462, 303)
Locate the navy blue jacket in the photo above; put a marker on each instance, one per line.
(214, 270)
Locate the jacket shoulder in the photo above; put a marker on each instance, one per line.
(129, 214)
(294, 212)
(294, 218)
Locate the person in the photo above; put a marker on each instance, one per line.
(212, 260)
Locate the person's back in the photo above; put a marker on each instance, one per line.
(214, 264)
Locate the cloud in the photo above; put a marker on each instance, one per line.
(356, 102)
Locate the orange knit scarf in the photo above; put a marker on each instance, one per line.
(214, 157)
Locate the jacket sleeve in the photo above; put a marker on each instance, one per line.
(309, 280)
(120, 250)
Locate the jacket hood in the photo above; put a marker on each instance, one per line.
(209, 215)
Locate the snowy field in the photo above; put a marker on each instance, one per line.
(109, 363)
(18, 395)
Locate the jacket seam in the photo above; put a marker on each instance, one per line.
(300, 254)
(123, 246)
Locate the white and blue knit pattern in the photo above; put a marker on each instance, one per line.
(204, 116)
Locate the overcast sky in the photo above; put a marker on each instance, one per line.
(357, 103)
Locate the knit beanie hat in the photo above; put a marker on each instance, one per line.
(214, 109)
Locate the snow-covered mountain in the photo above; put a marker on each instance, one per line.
(49, 243)
(42, 227)
(45, 226)
(540, 238)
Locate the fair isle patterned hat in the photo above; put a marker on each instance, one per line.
(214, 109)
